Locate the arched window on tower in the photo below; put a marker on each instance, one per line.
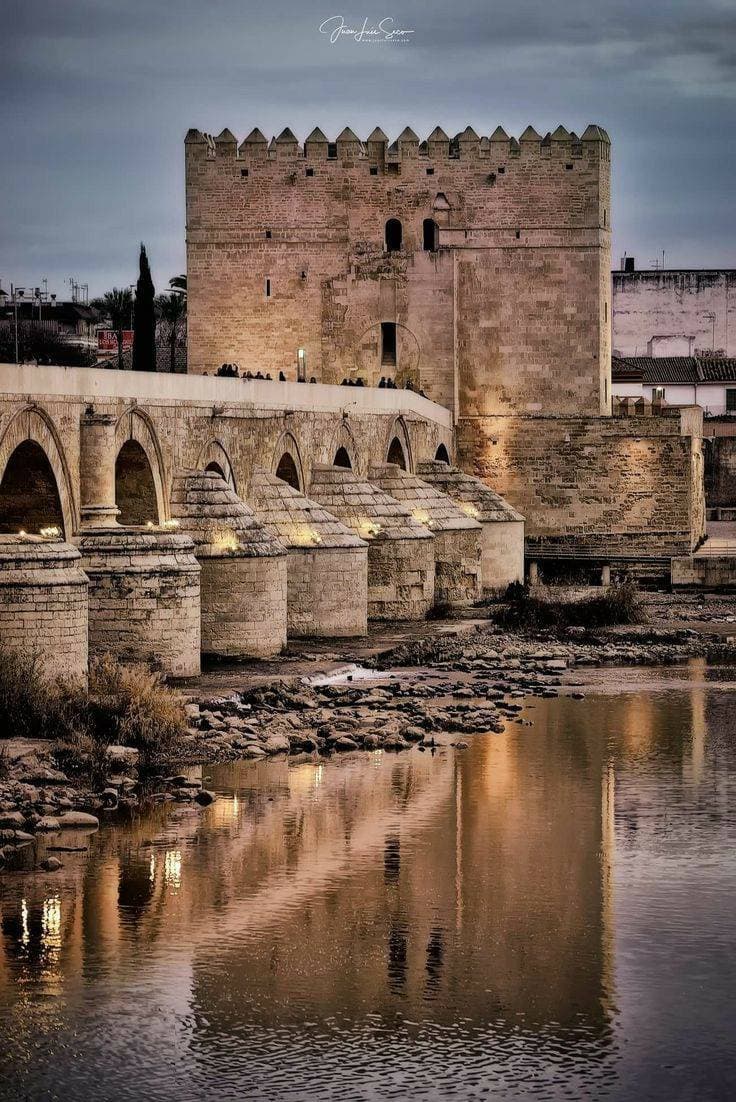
(442, 455)
(430, 235)
(394, 235)
(342, 459)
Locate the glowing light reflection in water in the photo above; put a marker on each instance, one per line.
(548, 914)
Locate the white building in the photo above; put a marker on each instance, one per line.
(677, 380)
(661, 312)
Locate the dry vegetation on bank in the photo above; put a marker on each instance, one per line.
(124, 705)
(524, 611)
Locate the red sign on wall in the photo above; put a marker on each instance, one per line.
(107, 340)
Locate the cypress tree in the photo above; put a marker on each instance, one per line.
(144, 325)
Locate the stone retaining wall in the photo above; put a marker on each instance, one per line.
(594, 485)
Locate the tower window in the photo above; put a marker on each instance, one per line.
(309, 172)
(268, 288)
(388, 343)
(430, 172)
(332, 151)
(244, 172)
(430, 234)
(374, 170)
(268, 235)
(394, 235)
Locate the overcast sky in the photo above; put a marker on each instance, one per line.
(98, 94)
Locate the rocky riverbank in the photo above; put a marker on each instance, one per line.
(415, 686)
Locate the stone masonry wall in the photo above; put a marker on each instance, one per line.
(286, 250)
(457, 570)
(327, 591)
(243, 606)
(400, 579)
(44, 605)
(611, 486)
(144, 599)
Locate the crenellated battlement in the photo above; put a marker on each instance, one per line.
(377, 148)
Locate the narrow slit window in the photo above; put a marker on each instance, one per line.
(388, 343)
(268, 288)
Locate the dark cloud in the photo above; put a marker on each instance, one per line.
(97, 96)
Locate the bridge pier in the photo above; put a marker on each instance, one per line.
(243, 598)
(97, 453)
(44, 604)
(327, 566)
(457, 566)
(400, 549)
(144, 598)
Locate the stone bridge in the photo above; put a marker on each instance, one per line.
(82, 425)
(156, 515)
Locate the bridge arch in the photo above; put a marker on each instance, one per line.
(135, 427)
(287, 461)
(214, 457)
(343, 451)
(398, 446)
(45, 461)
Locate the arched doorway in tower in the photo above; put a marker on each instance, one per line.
(29, 495)
(442, 454)
(215, 468)
(287, 471)
(396, 453)
(394, 235)
(342, 459)
(135, 490)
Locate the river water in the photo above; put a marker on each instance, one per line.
(549, 914)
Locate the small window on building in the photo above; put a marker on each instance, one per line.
(393, 168)
(568, 167)
(244, 172)
(605, 216)
(388, 343)
(657, 393)
(731, 399)
(430, 234)
(309, 172)
(430, 172)
(605, 311)
(332, 151)
(394, 234)
(502, 170)
(301, 365)
(268, 288)
(268, 235)
(374, 170)
(518, 234)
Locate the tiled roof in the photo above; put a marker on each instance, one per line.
(293, 518)
(427, 503)
(371, 513)
(213, 516)
(479, 500)
(655, 370)
(717, 371)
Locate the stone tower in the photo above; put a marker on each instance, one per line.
(475, 267)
